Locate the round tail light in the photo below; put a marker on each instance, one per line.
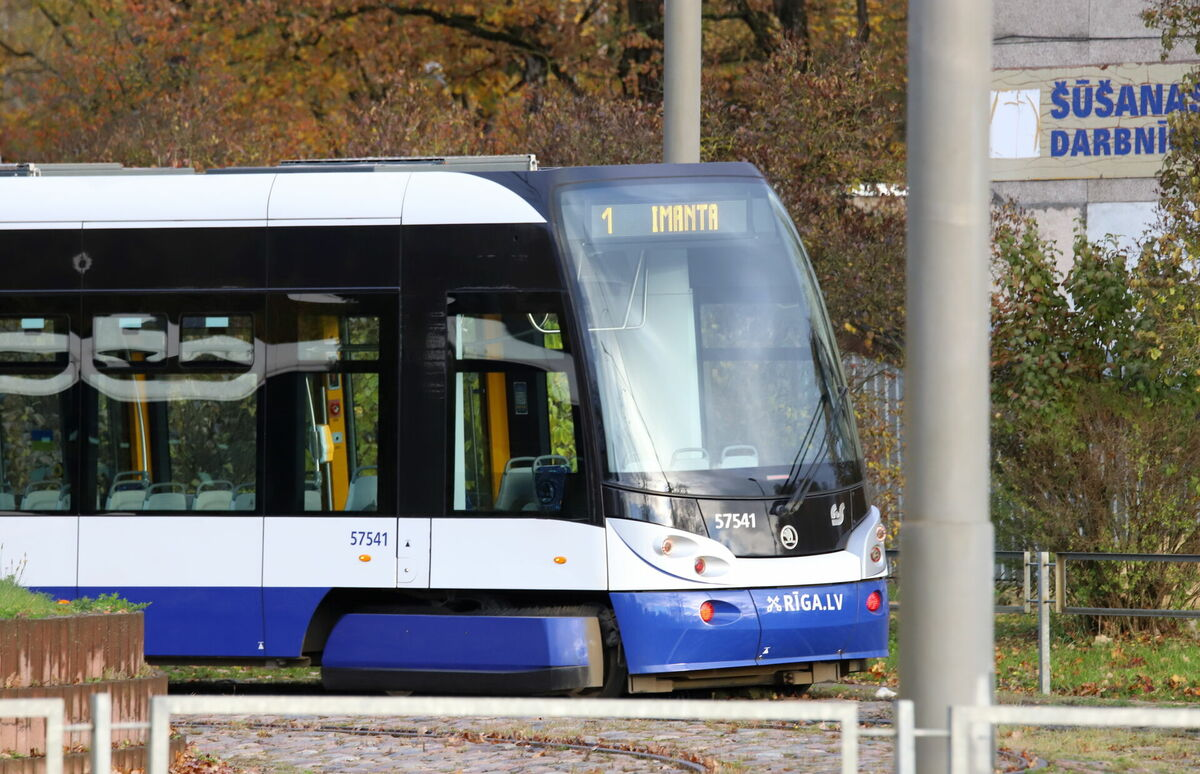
(706, 611)
(700, 565)
(874, 600)
(876, 554)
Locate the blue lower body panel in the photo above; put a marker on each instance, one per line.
(662, 631)
(458, 652)
(214, 622)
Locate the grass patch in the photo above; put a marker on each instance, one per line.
(1138, 667)
(255, 675)
(16, 601)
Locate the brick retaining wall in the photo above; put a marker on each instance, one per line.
(73, 657)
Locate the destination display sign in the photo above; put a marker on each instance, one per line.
(645, 219)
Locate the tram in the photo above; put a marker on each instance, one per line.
(448, 425)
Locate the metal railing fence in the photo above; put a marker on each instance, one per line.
(164, 708)
(970, 728)
(1039, 595)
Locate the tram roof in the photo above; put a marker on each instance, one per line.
(422, 192)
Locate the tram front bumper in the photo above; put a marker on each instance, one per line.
(662, 631)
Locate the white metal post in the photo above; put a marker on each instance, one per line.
(905, 750)
(1044, 621)
(681, 82)
(160, 735)
(946, 629)
(101, 709)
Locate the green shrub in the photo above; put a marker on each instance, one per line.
(16, 601)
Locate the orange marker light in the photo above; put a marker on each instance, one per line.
(364, 557)
(560, 560)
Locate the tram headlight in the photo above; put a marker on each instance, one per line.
(668, 545)
(880, 532)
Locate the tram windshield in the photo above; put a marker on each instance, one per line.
(711, 350)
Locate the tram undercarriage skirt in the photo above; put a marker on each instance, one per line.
(463, 653)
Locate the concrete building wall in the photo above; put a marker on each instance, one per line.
(1034, 34)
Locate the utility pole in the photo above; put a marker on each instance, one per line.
(946, 627)
(681, 82)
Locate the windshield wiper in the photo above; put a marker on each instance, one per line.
(800, 488)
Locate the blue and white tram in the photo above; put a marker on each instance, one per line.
(468, 426)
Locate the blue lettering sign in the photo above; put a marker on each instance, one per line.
(1079, 145)
(1121, 141)
(1081, 99)
(1127, 102)
(1059, 142)
(1104, 103)
(1059, 97)
(1152, 99)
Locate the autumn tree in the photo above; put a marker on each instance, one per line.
(1096, 388)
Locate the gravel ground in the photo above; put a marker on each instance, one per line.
(293, 746)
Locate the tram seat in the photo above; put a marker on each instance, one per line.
(364, 490)
(213, 495)
(167, 496)
(690, 458)
(42, 496)
(128, 491)
(245, 498)
(516, 485)
(739, 456)
(8, 501)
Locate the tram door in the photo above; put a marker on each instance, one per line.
(517, 488)
(514, 411)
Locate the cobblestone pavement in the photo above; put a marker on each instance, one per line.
(292, 746)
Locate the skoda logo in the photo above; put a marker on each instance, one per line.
(788, 537)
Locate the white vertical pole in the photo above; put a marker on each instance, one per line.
(101, 709)
(1044, 621)
(946, 629)
(54, 739)
(681, 82)
(160, 735)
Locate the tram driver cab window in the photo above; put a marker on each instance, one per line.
(515, 407)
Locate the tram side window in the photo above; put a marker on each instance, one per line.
(515, 412)
(35, 407)
(339, 410)
(168, 440)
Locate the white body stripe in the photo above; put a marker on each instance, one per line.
(635, 566)
(39, 550)
(315, 551)
(257, 199)
(500, 553)
(184, 550)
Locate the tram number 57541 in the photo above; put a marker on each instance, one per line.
(736, 520)
(361, 538)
